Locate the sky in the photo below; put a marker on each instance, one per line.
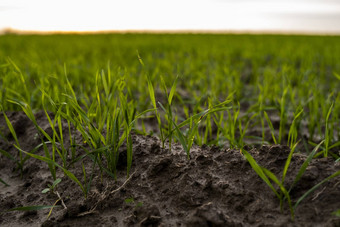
(305, 16)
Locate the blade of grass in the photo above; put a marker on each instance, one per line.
(305, 165)
(180, 135)
(328, 133)
(315, 187)
(51, 162)
(259, 172)
(270, 126)
(283, 190)
(3, 182)
(285, 169)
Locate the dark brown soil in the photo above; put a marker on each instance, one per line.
(216, 187)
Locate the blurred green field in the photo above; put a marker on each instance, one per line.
(272, 78)
(234, 91)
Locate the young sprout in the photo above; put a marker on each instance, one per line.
(51, 187)
(266, 175)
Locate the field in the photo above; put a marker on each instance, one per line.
(169, 130)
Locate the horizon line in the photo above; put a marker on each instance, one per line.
(6, 31)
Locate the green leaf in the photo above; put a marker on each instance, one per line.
(172, 91)
(337, 144)
(337, 212)
(282, 188)
(69, 84)
(152, 93)
(51, 162)
(57, 181)
(336, 75)
(270, 126)
(327, 131)
(305, 165)
(129, 200)
(259, 171)
(140, 115)
(140, 59)
(288, 162)
(180, 135)
(8, 155)
(2, 181)
(45, 190)
(105, 84)
(11, 129)
(315, 187)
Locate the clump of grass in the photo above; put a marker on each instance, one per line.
(193, 122)
(42, 134)
(283, 194)
(169, 115)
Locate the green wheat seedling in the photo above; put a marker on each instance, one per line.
(117, 121)
(129, 113)
(92, 132)
(169, 98)
(20, 162)
(218, 119)
(260, 109)
(313, 116)
(272, 131)
(193, 122)
(243, 129)
(71, 137)
(283, 117)
(57, 122)
(158, 117)
(293, 130)
(23, 159)
(3, 182)
(18, 73)
(231, 125)
(103, 106)
(51, 187)
(328, 137)
(334, 155)
(328, 131)
(265, 175)
(67, 173)
(42, 134)
(92, 137)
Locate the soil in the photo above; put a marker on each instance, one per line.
(215, 187)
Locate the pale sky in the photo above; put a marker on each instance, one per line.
(319, 16)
